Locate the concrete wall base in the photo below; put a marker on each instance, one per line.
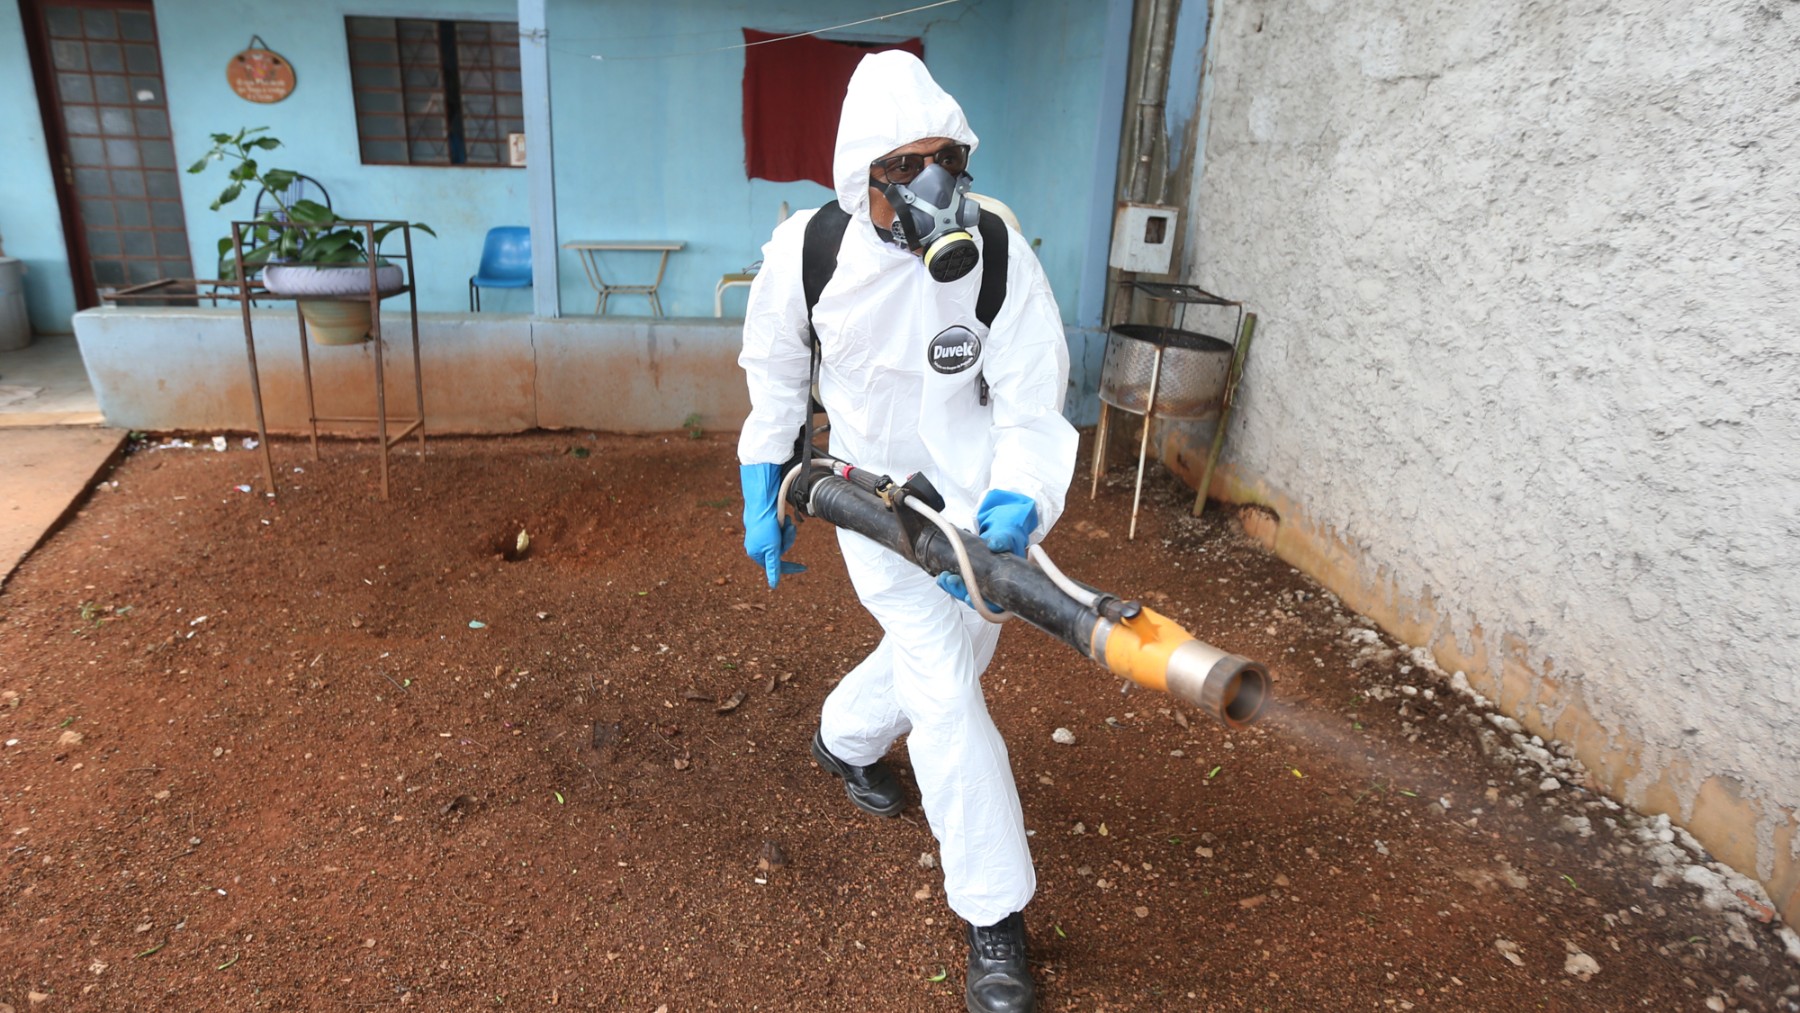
(166, 370)
(1755, 838)
(187, 369)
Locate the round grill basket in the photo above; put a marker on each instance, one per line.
(1192, 380)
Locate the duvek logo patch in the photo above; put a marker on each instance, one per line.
(955, 350)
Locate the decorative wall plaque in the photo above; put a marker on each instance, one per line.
(260, 74)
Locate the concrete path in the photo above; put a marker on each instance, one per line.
(45, 384)
(43, 472)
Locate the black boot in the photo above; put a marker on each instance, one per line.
(999, 979)
(873, 788)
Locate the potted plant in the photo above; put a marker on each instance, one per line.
(302, 247)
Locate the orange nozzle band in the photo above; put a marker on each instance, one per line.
(1139, 648)
(1153, 650)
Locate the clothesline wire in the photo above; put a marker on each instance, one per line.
(782, 38)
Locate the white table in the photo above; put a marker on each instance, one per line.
(590, 249)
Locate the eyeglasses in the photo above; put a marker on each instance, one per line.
(905, 168)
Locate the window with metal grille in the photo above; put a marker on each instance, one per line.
(434, 92)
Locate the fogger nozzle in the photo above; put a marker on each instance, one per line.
(1153, 650)
(1134, 642)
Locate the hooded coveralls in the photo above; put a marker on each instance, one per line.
(893, 413)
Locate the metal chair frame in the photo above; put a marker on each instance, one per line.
(295, 191)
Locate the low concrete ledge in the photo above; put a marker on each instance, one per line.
(186, 369)
(639, 376)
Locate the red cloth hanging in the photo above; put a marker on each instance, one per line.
(793, 91)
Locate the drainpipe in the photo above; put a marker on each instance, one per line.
(1153, 86)
(1140, 169)
(540, 176)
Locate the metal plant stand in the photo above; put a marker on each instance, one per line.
(255, 290)
(1160, 372)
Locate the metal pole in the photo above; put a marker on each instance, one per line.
(312, 411)
(412, 297)
(1144, 444)
(243, 283)
(375, 333)
(1102, 433)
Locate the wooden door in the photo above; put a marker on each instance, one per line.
(106, 115)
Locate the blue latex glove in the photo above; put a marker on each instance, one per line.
(1005, 521)
(764, 540)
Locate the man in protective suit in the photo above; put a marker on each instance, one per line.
(914, 382)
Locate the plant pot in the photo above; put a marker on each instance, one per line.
(333, 322)
(347, 280)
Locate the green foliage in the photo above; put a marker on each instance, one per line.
(303, 232)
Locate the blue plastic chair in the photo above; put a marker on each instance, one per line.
(505, 262)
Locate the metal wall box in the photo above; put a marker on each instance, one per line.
(1143, 237)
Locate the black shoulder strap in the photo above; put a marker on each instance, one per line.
(993, 269)
(819, 254)
(818, 262)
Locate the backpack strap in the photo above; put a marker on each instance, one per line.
(819, 255)
(818, 262)
(993, 279)
(993, 269)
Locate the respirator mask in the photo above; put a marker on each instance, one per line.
(933, 213)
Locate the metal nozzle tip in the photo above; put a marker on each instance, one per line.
(1231, 688)
(1244, 688)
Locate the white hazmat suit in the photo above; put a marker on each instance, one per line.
(893, 413)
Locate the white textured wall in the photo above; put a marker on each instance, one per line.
(1529, 284)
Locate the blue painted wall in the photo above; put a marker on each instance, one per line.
(318, 127)
(1053, 102)
(645, 148)
(1028, 74)
(29, 223)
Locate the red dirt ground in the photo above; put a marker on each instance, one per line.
(259, 758)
